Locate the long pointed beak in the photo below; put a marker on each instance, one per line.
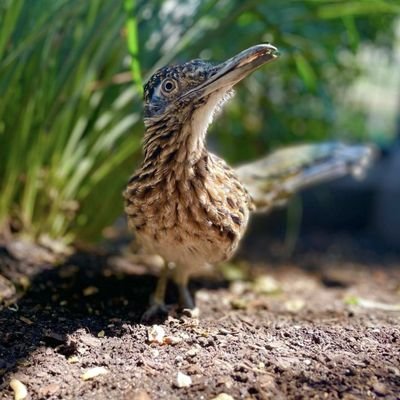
(238, 67)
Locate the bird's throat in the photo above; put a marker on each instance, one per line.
(181, 138)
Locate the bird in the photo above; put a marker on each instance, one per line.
(188, 205)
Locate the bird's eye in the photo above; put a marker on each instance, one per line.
(168, 85)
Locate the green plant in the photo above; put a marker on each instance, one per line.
(66, 135)
(70, 117)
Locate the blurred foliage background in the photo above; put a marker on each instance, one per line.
(70, 91)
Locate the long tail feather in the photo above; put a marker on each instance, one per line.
(272, 180)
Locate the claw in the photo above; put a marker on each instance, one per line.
(156, 312)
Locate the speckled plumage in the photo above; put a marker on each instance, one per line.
(186, 204)
(190, 214)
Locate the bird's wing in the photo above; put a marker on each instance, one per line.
(272, 180)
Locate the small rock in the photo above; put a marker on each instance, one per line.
(225, 381)
(7, 288)
(191, 313)
(172, 340)
(380, 388)
(178, 359)
(155, 353)
(20, 390)
(223, 396)
(24, 282)
(24, 250)
(294, 305)
(136, 395)
(90, 341)
(49, 390)
(394, 370)
(194, 369)
(238, 287)
(183, 380)
(193, 351)
(266, 284)
(239, 304)
(156, 334)
(90, 290)
(93, 372)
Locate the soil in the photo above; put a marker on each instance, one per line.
(321, 324)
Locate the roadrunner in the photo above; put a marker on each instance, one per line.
(186, 204)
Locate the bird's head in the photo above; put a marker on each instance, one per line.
(182, 99)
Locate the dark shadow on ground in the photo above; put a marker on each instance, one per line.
(260, 349)
(81, 293)
(84, 292)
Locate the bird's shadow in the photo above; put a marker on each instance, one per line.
(85, 292)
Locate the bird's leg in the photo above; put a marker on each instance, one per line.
(185, 298)
(157, 303)
(159, 293)
(181, 279)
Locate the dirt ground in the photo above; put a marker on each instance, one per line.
(322, 324)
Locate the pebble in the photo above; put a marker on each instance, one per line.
(183, 380)
(223, 396)
(49, 390)
(93, 372)
(380, 388)
(20, 390)
(156, 334)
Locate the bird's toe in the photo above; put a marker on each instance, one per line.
(156, 312)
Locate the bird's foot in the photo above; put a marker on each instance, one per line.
(156, 312)
(186, 302)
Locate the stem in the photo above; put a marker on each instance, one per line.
(133, 43)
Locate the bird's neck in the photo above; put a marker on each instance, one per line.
(180, 137)
(170, 144)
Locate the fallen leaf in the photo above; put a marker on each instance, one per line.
(26, 320)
